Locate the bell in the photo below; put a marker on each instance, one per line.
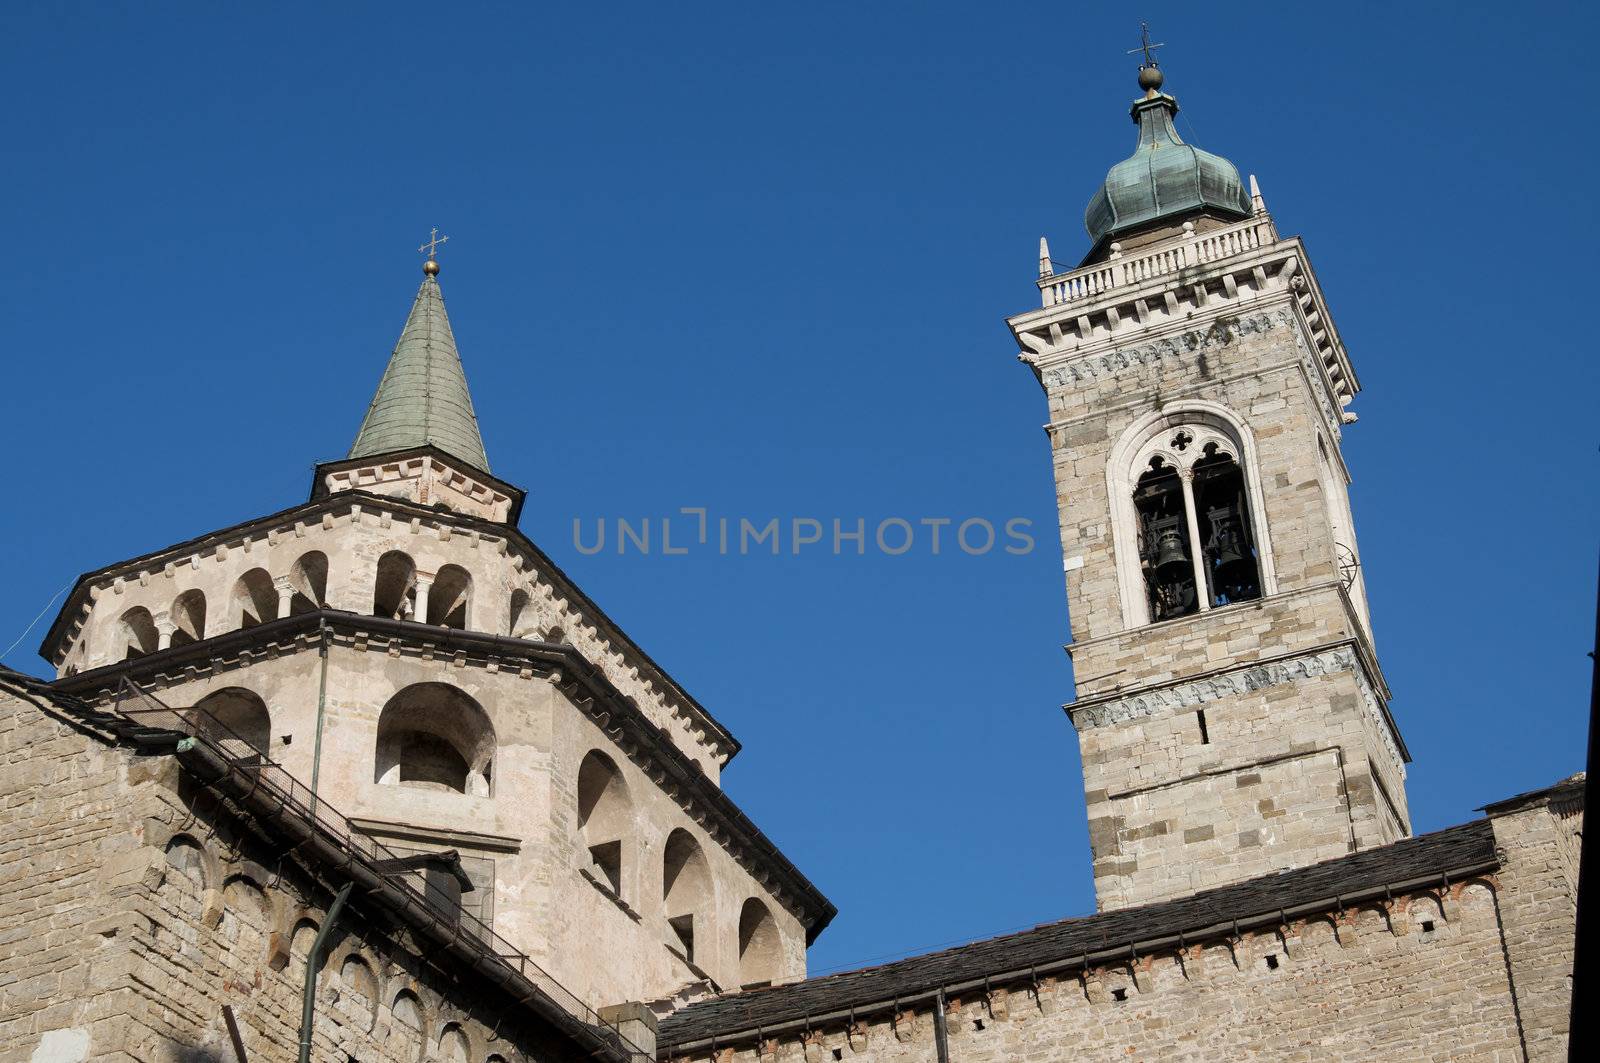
(1172, 564)
(1233, 566)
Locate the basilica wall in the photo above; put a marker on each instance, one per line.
(642, 892)
(1473, 969)
(134, 908)
(426, 753)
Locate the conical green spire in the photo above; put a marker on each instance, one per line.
(423, 395)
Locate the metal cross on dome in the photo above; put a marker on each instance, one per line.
(432, 246)
(1145, 46)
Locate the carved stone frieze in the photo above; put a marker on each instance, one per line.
(1244, 680)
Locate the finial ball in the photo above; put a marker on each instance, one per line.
(431, 268)
(1150, 77)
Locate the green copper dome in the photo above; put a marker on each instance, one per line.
(1164, 177)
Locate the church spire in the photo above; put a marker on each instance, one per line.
(423, 397)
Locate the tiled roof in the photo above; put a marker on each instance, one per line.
(423, 395)
(1455, 851)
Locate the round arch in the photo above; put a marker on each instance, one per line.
(760, 945)
(688, 894)
(1122, 475)
(433, 736)
(605, 817)
(236, 715)
(137, 630)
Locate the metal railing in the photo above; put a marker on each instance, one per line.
(1193, 250)
(152, 717)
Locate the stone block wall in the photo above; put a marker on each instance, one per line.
(607, 949)
(134, 910)
(1475, 970)
(1241, 774)
(1252, 365)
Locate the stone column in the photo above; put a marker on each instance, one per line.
(1202, 588)
(424, 584)
(285, 594)
(164, 629)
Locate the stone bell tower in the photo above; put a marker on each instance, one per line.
(1230, 710)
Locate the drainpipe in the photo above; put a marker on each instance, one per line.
(941, 1035)
(322, 701)
(308, 999)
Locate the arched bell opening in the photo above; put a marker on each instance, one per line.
(1164, 550)
(1232, 566)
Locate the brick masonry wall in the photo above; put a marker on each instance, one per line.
(1477, 969)
(133, 910)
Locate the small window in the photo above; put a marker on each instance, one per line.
(683, 929)
(606, 861)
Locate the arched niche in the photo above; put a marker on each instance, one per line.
(760, 945)
(359, 1000)
(408, 1033)
(238, 719)
(188, 617)
(246, 921)
(254, 599)
(188, 860)
(450, 597)
(394, 588)
(453, 1044)
(433, 736)
(605, 817)
(136, 630)
(309, 578)
(687, 893)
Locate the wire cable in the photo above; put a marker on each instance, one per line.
(36, 619)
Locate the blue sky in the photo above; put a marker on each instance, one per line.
(757, 259)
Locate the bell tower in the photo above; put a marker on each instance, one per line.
(1230, 710)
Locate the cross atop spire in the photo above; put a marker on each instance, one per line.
(431, 249)
(1150, 76)
(1144, 46)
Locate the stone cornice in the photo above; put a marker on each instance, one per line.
(1182, 694)
(583, 684)
(1186, 296)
